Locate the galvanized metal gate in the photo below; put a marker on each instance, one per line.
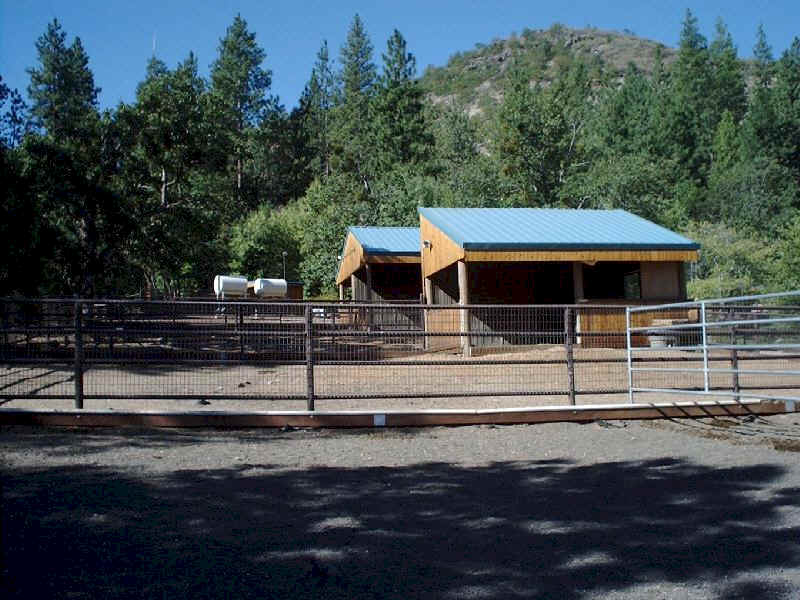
(744, 348)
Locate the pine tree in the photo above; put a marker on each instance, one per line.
(759, 135)
(15, 121)
(727, 91)
(317, 102)
(689, 121)
(352, 131)
(62, 88)
(73, 167)
(400, 129)
(239, 92)
(787, 109)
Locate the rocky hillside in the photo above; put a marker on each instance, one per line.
(474, 79)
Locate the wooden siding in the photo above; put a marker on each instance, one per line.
(445, 293)
(661, 280)
(391, 259)
(442, 252)
(609, 319)
(579, 255)
(352, 259)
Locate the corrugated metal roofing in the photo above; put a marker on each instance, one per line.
(403, 241)
(552, 228)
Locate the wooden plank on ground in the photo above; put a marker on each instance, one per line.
(530, 415)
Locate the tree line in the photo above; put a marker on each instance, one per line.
(200, 176)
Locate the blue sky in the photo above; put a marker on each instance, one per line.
(118, 36)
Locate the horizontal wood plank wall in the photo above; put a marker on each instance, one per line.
(611, 320)
(352, 259)
(443, 321)
(442, 252)
(661, 280)
(392, 259)
(444, 286)
(580, 255)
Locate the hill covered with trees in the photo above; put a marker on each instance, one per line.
(200, 176)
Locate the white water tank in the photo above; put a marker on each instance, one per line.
(270, 288)
(228, 286)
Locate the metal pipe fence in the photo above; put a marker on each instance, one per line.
(742, 348)
(315, 356)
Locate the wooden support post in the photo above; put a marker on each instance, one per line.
(681, 281)
(428, 293)
(341, 292)
(309, 358)
(568, 335)
(577, 280)
(463, 300)
(370, 296)
(78, 354)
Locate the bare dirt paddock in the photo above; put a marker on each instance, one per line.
(625, 510)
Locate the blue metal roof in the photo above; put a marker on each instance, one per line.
(403, 241)
(552, 228)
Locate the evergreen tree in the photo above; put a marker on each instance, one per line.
(759, 135)
(62, 87)
(352, 132)
(400, 130)
(72, 169)
(163, 172)
(240, 100)
(689, 120)
(170, 125)
(317, 103)
(763, 60)
(15, 120)
(727, 91)
(787, 109)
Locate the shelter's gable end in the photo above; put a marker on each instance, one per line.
(352, 259)
(440, 252)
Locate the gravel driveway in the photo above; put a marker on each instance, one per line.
(689, 509)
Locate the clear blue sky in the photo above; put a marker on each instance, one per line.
(118, 35)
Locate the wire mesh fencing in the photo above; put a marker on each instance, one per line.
(254, 355)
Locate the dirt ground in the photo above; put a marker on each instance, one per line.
(706, 509)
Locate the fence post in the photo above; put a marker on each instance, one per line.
(568, 332)
(630, 352)
(705, 345)
(309, 358)
(240, 327)
(734, 362)
(78, 354)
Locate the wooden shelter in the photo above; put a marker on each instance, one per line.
(380, 264)
(543, 256)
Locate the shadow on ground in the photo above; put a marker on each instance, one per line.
(543, 529)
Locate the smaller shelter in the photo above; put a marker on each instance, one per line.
(380, 264)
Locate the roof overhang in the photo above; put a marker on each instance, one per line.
(441, 251)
